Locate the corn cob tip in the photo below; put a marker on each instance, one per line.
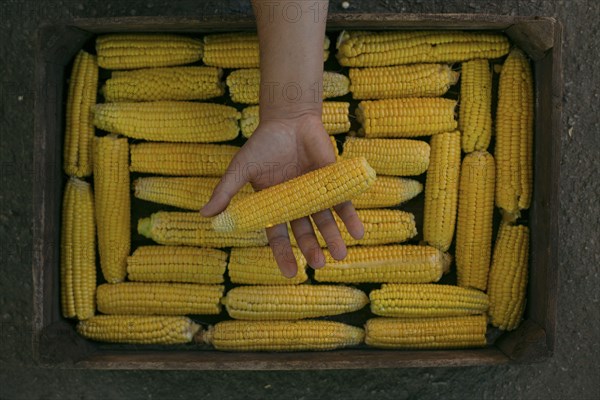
(145, 227)
(510, 217)
(223, 222)
(195, 332)
(206, 336)
(446, 262)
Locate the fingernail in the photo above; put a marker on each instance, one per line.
(289, 273)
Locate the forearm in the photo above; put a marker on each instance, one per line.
(291, 35)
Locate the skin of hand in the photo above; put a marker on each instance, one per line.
(290, 139)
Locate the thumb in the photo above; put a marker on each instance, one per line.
(228, 186)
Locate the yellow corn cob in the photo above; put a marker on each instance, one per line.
(244, 85)
(399, 157)
(475, 214)
(417, 80)
(426, 300)
(381, 227)
(154, 84)
(284, 302)
(113, 210)
(181, 159)
(78, 251)
(137, 329)
(409, 117)
(191, 229)
(131, 51)
(426, 333)
(335, 148)
(441, 190)
(237, 50)
(374, 49)
(514, 136)
(169, 121)
(475, 114)
(257, 266)
(508, 276)
(191, 193)
(140, 298)
(308, 335)
(388, 191)
(393, 264)
(176, 264)
(335, 118)
(315, 191)
(79, 130)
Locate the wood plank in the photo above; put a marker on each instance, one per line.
(526, 344)
(342, 359)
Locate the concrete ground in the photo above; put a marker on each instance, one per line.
(573, 372)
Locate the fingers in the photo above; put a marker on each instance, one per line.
(331, 233)
(350, 218)
(230, 184)
(282, 250)
(307, 242)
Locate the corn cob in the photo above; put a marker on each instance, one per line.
(386, 264)
(79, 130)
(475, 214)
(375, 49)
(508, 276)
(335, 148)
(426, 300)
(237, 50)
(140, 298)
(335, 118)
(78, 251)
(381, 227)
(307, 335)
(399, 157)
(417, 80)
(131, 51)
(137, 329)
(111, 186)
(244, 85)
(154, 84)
(514, 136)
(315, 191)
(284, 302)
(257, 266)
(441, 190)
(191, 229)
(169, 121)
(176, 264)
(181, 159)
(409, 117)
(475, 113)
(191, 193)
(426, 333)
(388, 191)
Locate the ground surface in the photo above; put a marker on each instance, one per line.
(573, 372)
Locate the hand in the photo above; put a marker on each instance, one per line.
(279, 150)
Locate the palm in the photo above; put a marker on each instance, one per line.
(278, 152)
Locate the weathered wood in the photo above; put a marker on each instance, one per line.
(543, 273)
(534, 37)
(343, 359)
(526, 344)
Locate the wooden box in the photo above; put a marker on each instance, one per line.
(54, 339)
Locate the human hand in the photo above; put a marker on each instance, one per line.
(281, 149)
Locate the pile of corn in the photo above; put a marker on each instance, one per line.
(156, 133)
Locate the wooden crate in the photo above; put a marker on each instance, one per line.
(56, 343)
